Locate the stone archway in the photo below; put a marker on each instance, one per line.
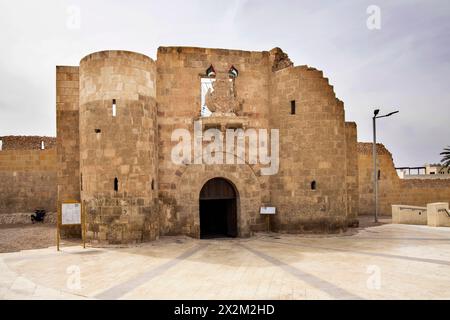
(190, 179)
(218, 209)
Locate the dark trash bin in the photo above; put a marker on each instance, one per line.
(38, 216)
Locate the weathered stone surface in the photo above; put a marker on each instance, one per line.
(121, 146)
(27, 179)
(27, 142)
(391, 189)
(119, 162)
(68, 139)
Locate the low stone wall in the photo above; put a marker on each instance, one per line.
(433, 215)
(404, 214)
(438, 215)
(425, 176)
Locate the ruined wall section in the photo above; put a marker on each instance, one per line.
(392, 189)
(180, 70)
(118, 153)
(28, 178)
(313, 150)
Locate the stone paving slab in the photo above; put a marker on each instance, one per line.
(380, 262)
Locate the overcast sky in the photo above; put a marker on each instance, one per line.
(404, 65)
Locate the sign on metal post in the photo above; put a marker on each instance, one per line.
(70, 213)
(267, 210)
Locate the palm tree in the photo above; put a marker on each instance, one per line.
(446, 159)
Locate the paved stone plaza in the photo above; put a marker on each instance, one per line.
(379, 262)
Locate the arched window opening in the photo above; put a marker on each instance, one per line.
(210, 72)
(206, 86)
(313, 185)
(233, 72)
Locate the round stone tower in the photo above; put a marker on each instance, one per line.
(118, 147)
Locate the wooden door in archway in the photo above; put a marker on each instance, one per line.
(218, 209)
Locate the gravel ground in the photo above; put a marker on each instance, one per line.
(16, 237)
(366, 221)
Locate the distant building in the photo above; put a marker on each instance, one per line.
(428, 171)
(436, 169)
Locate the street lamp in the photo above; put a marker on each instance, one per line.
(374, 155)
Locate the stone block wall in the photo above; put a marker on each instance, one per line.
(68, 139)
(67, 126)
(27, 178)
(391, 189)
(310, 191)
(352, 178)
(180, 70)
(118, 152)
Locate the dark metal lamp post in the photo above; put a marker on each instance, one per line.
(374, 155)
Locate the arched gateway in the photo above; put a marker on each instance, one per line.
(218, 209)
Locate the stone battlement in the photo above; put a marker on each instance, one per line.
(27, 142)
(366, 148)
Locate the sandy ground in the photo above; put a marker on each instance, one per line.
(368, 221)
(26, 236)
(35, 236)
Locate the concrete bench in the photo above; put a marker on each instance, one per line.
(409, 214)
(438, 214)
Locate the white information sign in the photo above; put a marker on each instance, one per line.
(71, 213)
(267, 210)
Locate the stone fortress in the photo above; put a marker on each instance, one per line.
(117, 111)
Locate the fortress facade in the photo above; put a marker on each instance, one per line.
(119, 119)
(116, 115)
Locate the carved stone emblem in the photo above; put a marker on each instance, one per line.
(222, 99)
